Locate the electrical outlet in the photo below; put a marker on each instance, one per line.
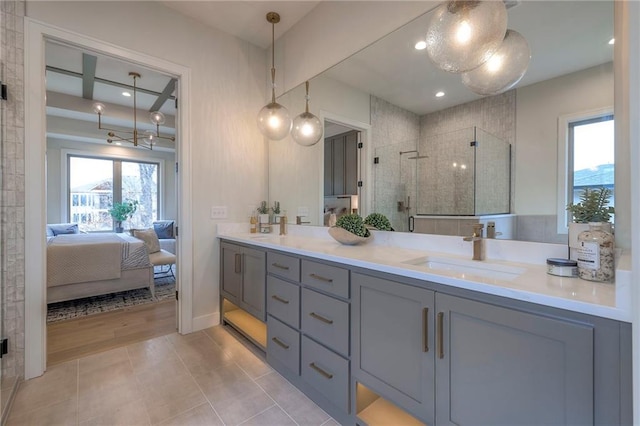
(218, 212)
(303, 211)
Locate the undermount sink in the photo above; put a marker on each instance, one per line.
(468, 267)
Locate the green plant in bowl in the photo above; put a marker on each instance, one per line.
(378, 221)
(354, 224)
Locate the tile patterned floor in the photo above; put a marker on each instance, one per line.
(204, 378)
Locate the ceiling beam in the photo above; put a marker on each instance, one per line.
(104, 81)
(88, 75)
(168, 90)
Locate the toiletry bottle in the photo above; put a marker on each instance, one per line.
(283, 223)
(596, 254)
(253, 224)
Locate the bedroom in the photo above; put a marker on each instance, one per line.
(87, 176)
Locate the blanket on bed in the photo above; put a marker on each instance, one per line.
(78, 258)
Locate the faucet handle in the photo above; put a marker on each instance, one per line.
(477, 229)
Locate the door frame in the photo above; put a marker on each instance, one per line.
(35, 335)
(365, 159)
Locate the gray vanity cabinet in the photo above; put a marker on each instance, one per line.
(449, 360)
(393, 342)
(500, 366)
(243, 278)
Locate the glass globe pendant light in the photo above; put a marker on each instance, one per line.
(307, 128)
(274, 121)
(462, 35)
(503, 70)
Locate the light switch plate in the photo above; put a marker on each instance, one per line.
(218, 212)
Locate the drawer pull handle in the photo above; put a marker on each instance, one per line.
(320, 318)
(280, 343)
(238, 265)
(321, 371)
(440, 335)
(279, 266)
(321, 278)
(425, 329)
(280, 299)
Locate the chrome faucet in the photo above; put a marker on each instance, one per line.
(476, 238)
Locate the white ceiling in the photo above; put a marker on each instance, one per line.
(245, 19)
(564, 37)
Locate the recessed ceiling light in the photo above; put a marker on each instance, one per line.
(127, 94)
(612, 41)
(421, 45)
(439, 94)
(118, 143)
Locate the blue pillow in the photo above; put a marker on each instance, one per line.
(164, 229)
(62, 228)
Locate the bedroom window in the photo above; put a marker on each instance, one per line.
(96, 183)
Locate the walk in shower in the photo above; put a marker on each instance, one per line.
(466, 172)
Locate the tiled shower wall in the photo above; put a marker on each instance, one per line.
(13, 187)
(394, 130)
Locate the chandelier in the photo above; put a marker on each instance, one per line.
(146, 139)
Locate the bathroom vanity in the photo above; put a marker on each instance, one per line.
(403, 334)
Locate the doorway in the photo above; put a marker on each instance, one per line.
(36, 35)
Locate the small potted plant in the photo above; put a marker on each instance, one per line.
(263, 212)
(122, 211)
(276, 212)
(593, 207)
(378, 221)
(350, 229)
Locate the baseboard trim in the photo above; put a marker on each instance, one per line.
(206, 321)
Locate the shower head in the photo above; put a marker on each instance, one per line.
(417, 157)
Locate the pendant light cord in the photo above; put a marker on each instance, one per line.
(273, 63)
(306, 83)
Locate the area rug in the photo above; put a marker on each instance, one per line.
(61, 311)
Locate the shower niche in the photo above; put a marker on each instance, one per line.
(466, 172)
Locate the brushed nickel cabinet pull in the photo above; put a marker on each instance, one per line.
(320, 318)
(280, 299)
(238, 263)
(425, 329)
(440, 335)
(321, 371)
(280, 343)
(279, 266)
(321, 278)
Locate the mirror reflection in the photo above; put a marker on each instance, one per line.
(408, 115)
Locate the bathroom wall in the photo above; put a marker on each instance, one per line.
(13, 195)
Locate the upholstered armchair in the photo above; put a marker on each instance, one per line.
(165, 229)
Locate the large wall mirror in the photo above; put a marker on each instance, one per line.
(417, 160)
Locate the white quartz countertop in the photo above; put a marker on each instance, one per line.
(530, 283)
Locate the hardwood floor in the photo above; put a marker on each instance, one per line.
(68, 340)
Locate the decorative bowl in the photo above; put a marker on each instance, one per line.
(343, 236)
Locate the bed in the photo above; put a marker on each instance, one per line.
(84, 265)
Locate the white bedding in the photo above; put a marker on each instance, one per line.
(76, 258)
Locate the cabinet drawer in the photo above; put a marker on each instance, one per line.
(283, 301)
(283, 344)
(326, 319)
(327, 372)
(283, 266)
(330, 279)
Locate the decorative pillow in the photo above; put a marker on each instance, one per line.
(164, 229)
(150, 239)
(62, 228)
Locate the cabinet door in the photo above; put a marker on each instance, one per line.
(351, 163)
(328, 167)
(503, 367)
(254, 283)
(392, 342)
(231, 272)
(338, 165)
